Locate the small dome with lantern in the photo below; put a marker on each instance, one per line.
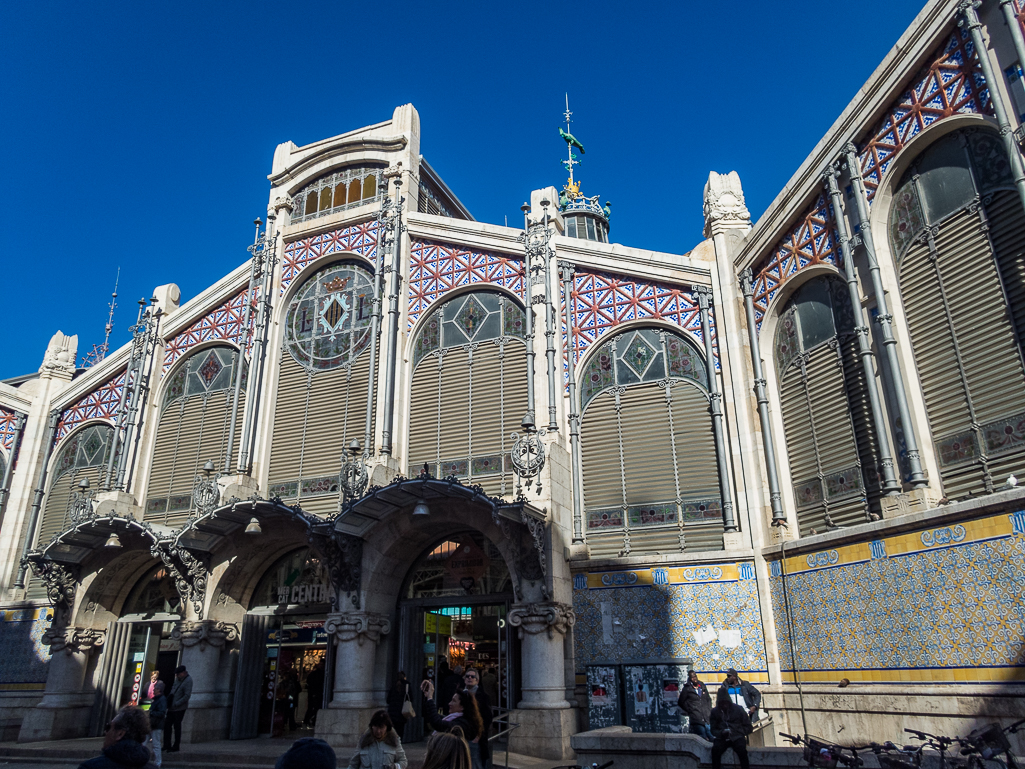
(584, 216)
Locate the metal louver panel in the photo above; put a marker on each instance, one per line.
(1007, 233)
(599, 442)
(695, 444)
(455, 413)
(647, 444)
(312, 429)
(860, 409)
(189, 434)
(967, 357)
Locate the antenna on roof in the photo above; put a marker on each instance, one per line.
(99, 351)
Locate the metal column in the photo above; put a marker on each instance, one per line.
(567, 273)
(37, 499)
(393, 321)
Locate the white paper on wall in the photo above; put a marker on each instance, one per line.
(704, 635)
(729, 638)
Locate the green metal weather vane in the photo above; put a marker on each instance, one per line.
(571, 142)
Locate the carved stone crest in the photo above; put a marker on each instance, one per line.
(358, 626)
(206, 632)
(73, 639)
(724, 202)
(549, 616)
(59, 360)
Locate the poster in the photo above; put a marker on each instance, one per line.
(654, 693)
(670, 692)
(641, 698)
(603, 696)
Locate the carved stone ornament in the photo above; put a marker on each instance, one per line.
(357, 626)
(73, 639)
(724, 201)
(59, 360)
(206, 632)
(550, 616)
(283, 203)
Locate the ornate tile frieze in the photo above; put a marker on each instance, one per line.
(26, 658)
(101, 403)
(8, 419)
(358, 239)
(225, 322)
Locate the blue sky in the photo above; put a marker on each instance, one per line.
(140, 135)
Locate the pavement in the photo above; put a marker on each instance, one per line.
(223, 754)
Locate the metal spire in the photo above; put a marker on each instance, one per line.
(99, 351)
(571, 161)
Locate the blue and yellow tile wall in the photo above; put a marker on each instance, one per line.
(940, 605)
(655, 613)
(25, 659)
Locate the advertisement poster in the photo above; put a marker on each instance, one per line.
(654, 693)
(603, 696)
(670, 692)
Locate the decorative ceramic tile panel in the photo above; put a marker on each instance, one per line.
(939, 605)
(8, 420)
(101, 403)
(224, 322)
(707, 612)
(358, 239)
(26, 659)
(950, 83)
(437, 268)
(602, 301)
(811, 241)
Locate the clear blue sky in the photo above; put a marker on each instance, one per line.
(140, 135)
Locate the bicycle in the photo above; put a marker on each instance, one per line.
(595, 765)
(821, 754)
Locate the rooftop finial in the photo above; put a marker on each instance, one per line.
(571, 142)
(99, 351)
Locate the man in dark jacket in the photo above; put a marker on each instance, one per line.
(448, 686)
(742, 693)
(730, 725)
(157, 716)
(123, 740)
(177, 704)
(471, 678)
(696, 703)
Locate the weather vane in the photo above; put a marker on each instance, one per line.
(571, 141)
(99, 351)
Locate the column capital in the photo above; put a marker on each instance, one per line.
(535, 618)
(206, 632)
(358, 626)
(73, 639)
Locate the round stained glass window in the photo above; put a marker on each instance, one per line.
(328, 321)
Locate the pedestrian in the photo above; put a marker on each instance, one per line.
(157, 716)
(742, 693)
(397, 696)
(489, 682)
(730, 726)
(123, 742)
(380, 746)
(177, 704)
(291, 689)
(696, 703)
(448, 686)
(154, 676)
(447, 750)
(308, 753)
(471, 679)
(463, 713)
(314, 694)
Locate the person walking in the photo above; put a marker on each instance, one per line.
(463, 714)
(489, 682)
(397, 696)
(314, 694)
(154, 676)
(730, 724)
(157, 716)
(471, 679)
(742, 693)
(448, 686)
(123, 742)
(696, 703)
(177, 704)
(380, 747)
(447, 750)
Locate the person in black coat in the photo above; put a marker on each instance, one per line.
(157, 714)
(696, 703)
(463, 713)
(471, 678)
(449, 685)
(123, 742)
(314, 694)
(742, 693)
(396, 699)
(731, 724)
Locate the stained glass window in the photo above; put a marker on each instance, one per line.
(86, 448)
(338, 190)
(469, 319)
(328, 321)
(642, 355)
(205, 372)
(816, 313)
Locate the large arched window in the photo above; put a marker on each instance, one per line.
(338, 191)
(322, 386)
(649, 468)
(195, 418)
(82, 456)
(957, 230)
(831, 448)
(469, 389)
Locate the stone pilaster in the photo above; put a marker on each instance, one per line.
(205, 653)
(64, 711)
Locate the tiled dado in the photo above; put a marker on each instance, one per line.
(655, 613)
(939, 605)
(26, 659)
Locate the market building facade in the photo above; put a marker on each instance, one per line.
(396, 434)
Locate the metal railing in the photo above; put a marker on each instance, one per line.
(502, 719)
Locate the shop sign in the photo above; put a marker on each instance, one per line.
(437, 623)
(468, 562)
(297, 636)
(302, 593)
(170, 645)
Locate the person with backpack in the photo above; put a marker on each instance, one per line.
(730, 724)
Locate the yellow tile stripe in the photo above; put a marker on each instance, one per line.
(980, 529)
(678, 575)
(708, 676)
(927, 675)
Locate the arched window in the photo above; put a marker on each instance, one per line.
(957, 230)
(469, 389)
(154, 596)
(649, 470)
(827, 421)
(82, 456)
(193, 429)
(464, 564)
(296, 582)
(322, 386)
(338, 191)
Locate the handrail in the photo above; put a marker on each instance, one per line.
(503, 718)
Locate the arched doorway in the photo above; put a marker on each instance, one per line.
(284, 655)
(452, 611)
